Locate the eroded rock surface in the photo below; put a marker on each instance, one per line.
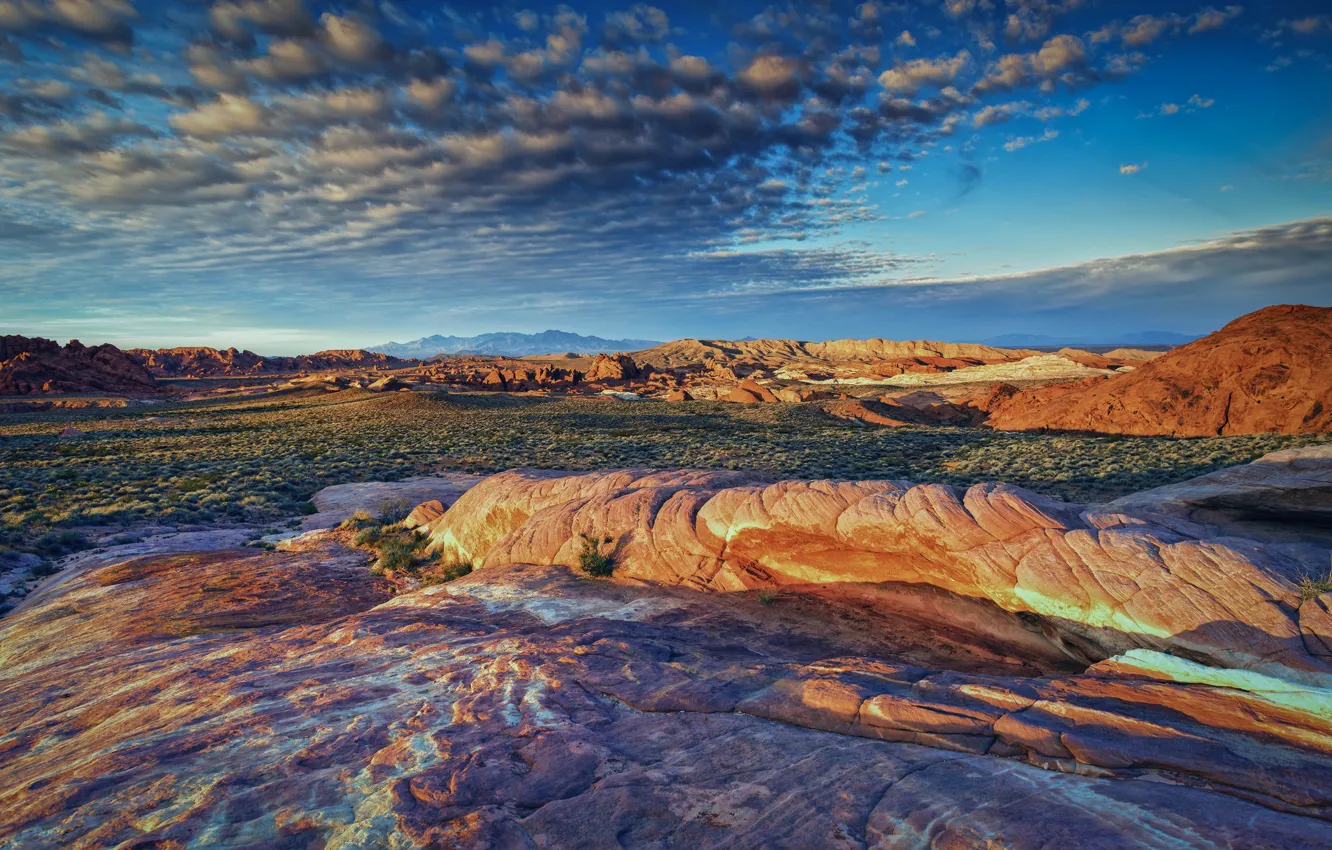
(340, 501)
(1097, 582)
(1269, 371)
(242, 698)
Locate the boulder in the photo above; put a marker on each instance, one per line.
(424, 514)
(750, 392)
(388, 384)
(678, 395)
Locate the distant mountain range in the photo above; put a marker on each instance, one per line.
(511, 345)
(1125, 340)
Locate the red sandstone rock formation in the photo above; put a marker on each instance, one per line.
(199, 362)
(1269, 371)
(245, 698)
(1096, 582)
(35, 366)
(619, 367)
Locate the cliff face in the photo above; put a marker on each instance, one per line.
(1269, 371)
(36, 366)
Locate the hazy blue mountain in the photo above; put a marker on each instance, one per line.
(1123, 339)
(511, 344)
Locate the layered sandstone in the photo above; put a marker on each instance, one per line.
(245, 698)
(1269, 371)
(1097, 582)
(36, 366)
(202, 362)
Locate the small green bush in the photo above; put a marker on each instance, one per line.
(443, 573)
(357, 521)
(768, 597)
(1312, 588)
(592, 560)
(399, 553)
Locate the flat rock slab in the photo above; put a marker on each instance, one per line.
(1282, 495)
(340, 501)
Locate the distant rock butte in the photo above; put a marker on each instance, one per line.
(1269, 371)
(775, 352)
(36, 366)
(199, 362)
(920, 674)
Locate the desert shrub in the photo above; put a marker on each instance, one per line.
(394, 512)
(768, 596)
(1312, 588)
(397, 554)
(54, 544)
(368, 536)
(442, 573)
(358, 521)
(592, 560)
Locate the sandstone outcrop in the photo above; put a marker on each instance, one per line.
(1287, 494)
(36, 366)
(1269, 371)
(246, 698)
(618, 367)
(202, 362)
(777, 352)
(1095, 582)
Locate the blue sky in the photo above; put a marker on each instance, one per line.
(286, 176)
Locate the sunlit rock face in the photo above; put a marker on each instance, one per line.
(872, 664)
(1097, 582)
(1264, 372)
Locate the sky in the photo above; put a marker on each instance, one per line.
(286, 176)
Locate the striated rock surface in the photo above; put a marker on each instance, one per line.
(1269, 371)
(36, 366)
(1094, 582)
(1285, 494)
(254, 699)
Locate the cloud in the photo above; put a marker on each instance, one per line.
(526, 157)
(108, 22)
(641, 24)
(1020, 142)
(1213, 19)
(999, 113)
(236, 21)
(1132, 168)
(96, 132)
(909, 77)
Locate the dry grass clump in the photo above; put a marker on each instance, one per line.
(1312, 588)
